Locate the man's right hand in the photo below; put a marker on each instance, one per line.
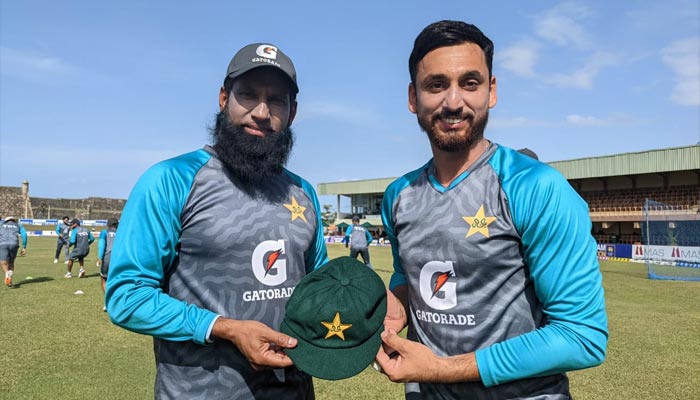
(260, 344)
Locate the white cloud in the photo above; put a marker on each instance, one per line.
(683, 58)
(39, 67)
(515, 122)
(584, 76)
(520, 58)
(609, 121)
(560, 25)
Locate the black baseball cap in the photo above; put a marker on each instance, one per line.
(336, 313)
(75, 221)
(262, 55)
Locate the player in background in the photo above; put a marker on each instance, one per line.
(212, 243)
(81, 239)
(104, 251)
(10, 234)
(495, 268)
(63, 232)
(359, 238)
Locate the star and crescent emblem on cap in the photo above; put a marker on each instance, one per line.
(296, 209)
(479, 223)
(336, 327)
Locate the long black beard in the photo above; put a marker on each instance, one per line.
(457, 143)
(247, 158)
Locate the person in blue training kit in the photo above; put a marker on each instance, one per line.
(495, 268)
(104, 251)
(63, 232)
(359, 238)
(10, 233)
(212, 243)
(80, 238)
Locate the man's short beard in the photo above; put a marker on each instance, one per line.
(248, 158)
(456, 143)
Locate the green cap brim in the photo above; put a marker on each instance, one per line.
(333, 363)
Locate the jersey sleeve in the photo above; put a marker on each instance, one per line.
(146, 246)
(348, 232)
(23, 234)
(555, 227)
(391, 195)
(316, 255)
(58, 229)
(91, 237)
(102, 244)
(369, 237)
(73, 235)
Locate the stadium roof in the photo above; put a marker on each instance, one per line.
(643, 162)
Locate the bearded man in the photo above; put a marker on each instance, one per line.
(212, 243)
(495, 269)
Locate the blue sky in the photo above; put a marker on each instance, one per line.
(93, 93)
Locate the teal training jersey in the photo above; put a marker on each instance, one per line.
(105, 241)
(10, 231)
(501, 263)
(81, 238)
(358, 236)
(192, 245)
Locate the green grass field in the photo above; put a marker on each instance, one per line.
(59, 345)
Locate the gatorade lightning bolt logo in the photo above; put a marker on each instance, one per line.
(269, 262)
(267, 51)
(271, 259)
(438, 277)
(440, 281)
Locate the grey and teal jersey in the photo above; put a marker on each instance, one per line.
(193, 245)
(502, 263)
(9, 230)
(81, 238)
(358, 236)
(104, 243)
(63, 230)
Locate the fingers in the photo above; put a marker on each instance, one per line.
(391, 340)
(284, 341)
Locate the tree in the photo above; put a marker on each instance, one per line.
(328, 215)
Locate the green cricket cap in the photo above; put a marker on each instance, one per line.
(336, 313)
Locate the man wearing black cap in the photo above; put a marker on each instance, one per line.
(359, 239)
(212, 243)
(81, 239)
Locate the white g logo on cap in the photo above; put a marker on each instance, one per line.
(267, 51)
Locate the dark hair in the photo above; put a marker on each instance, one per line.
(448, 33)
(355, 218)
(66, 217)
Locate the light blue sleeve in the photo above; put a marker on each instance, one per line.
(369, 237)
(23, 234)
(58, 229)
(102, 244)
(348, 231)
(73, 235)
(149, 234)
(561, 254)
(316, 255)
(391, 194)
(91, 238)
